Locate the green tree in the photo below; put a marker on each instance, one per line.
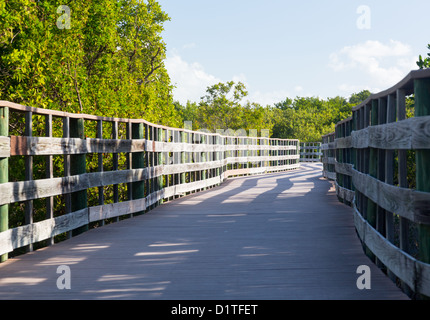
(357, 98)
(109, 62)
(308, 118)
(424, 63)
(222, 109)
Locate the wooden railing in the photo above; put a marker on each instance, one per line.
(328, 156)
(371, 156)
(310, 152)
(138, 166)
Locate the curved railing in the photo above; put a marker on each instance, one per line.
(310, 152)
(373, 155)
(148, 164)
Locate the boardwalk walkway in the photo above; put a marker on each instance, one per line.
(275, 236)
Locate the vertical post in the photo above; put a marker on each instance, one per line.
(402, 169)
(382, 119)
(4, 174)
(115, 165)
(129, 161)
(217, 155)
(160, 163)
(184, 136)
(67, 197)
(203, 157)
(371, 212)
(389, 176)
(78, 167)
(29, 173)
(422, 158)
(373, 166)
(99, 135)
(49, 174)
(138, 162)
(389, 169)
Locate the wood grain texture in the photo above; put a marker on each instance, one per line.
(35, 232)
(412, 133)
(414, 273)
(4, 147)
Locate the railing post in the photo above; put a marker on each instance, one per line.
(49, 174)
(160, 162)
(4, 174)
(79, 199)
(99, 135)
(373, 166)
(402, 169)
(138, 162)
(115, 159)
(67, 196)
(28, 208)
(422, 108)
(184, 139)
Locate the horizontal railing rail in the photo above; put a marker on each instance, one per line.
(310, 152)
(380, 161)
(138, 165)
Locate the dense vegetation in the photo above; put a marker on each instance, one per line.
(106, 57)
(304, 118)
(103, 57)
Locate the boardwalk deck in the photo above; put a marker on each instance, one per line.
(275, 236)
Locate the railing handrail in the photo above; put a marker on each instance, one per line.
(163, 163)
(407, 84)
(84, 116)
(360, 158)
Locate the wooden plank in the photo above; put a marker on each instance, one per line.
(49, 174)
(113, 210)
(28, 205)
(42, 188)
(212, 236)
(4, 173)
(55, 146)
(399, 262)
(422, 109)
(412, 133)
(138, 162)
(4, 147)
(30, 190)
(407, 203)
(70, 146)
(78, 167)
(402, 170)
(345, 193)
(342, 143)
(35, 232)
(422, 284)
(344, 168)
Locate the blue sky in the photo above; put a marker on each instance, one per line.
(286, 48)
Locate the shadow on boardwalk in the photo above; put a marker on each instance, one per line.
(276, 236)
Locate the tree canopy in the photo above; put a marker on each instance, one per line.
(305, 118)
(106, 57)
(103, 57)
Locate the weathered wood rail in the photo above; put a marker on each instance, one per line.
(371, 156)
(310, 152)
(140, 163)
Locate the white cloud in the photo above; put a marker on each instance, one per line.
(268, 98)
(190, 79)
(298, 89)
(191, 45)
(384, 64)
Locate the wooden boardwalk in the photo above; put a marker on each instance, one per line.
(275, 236)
